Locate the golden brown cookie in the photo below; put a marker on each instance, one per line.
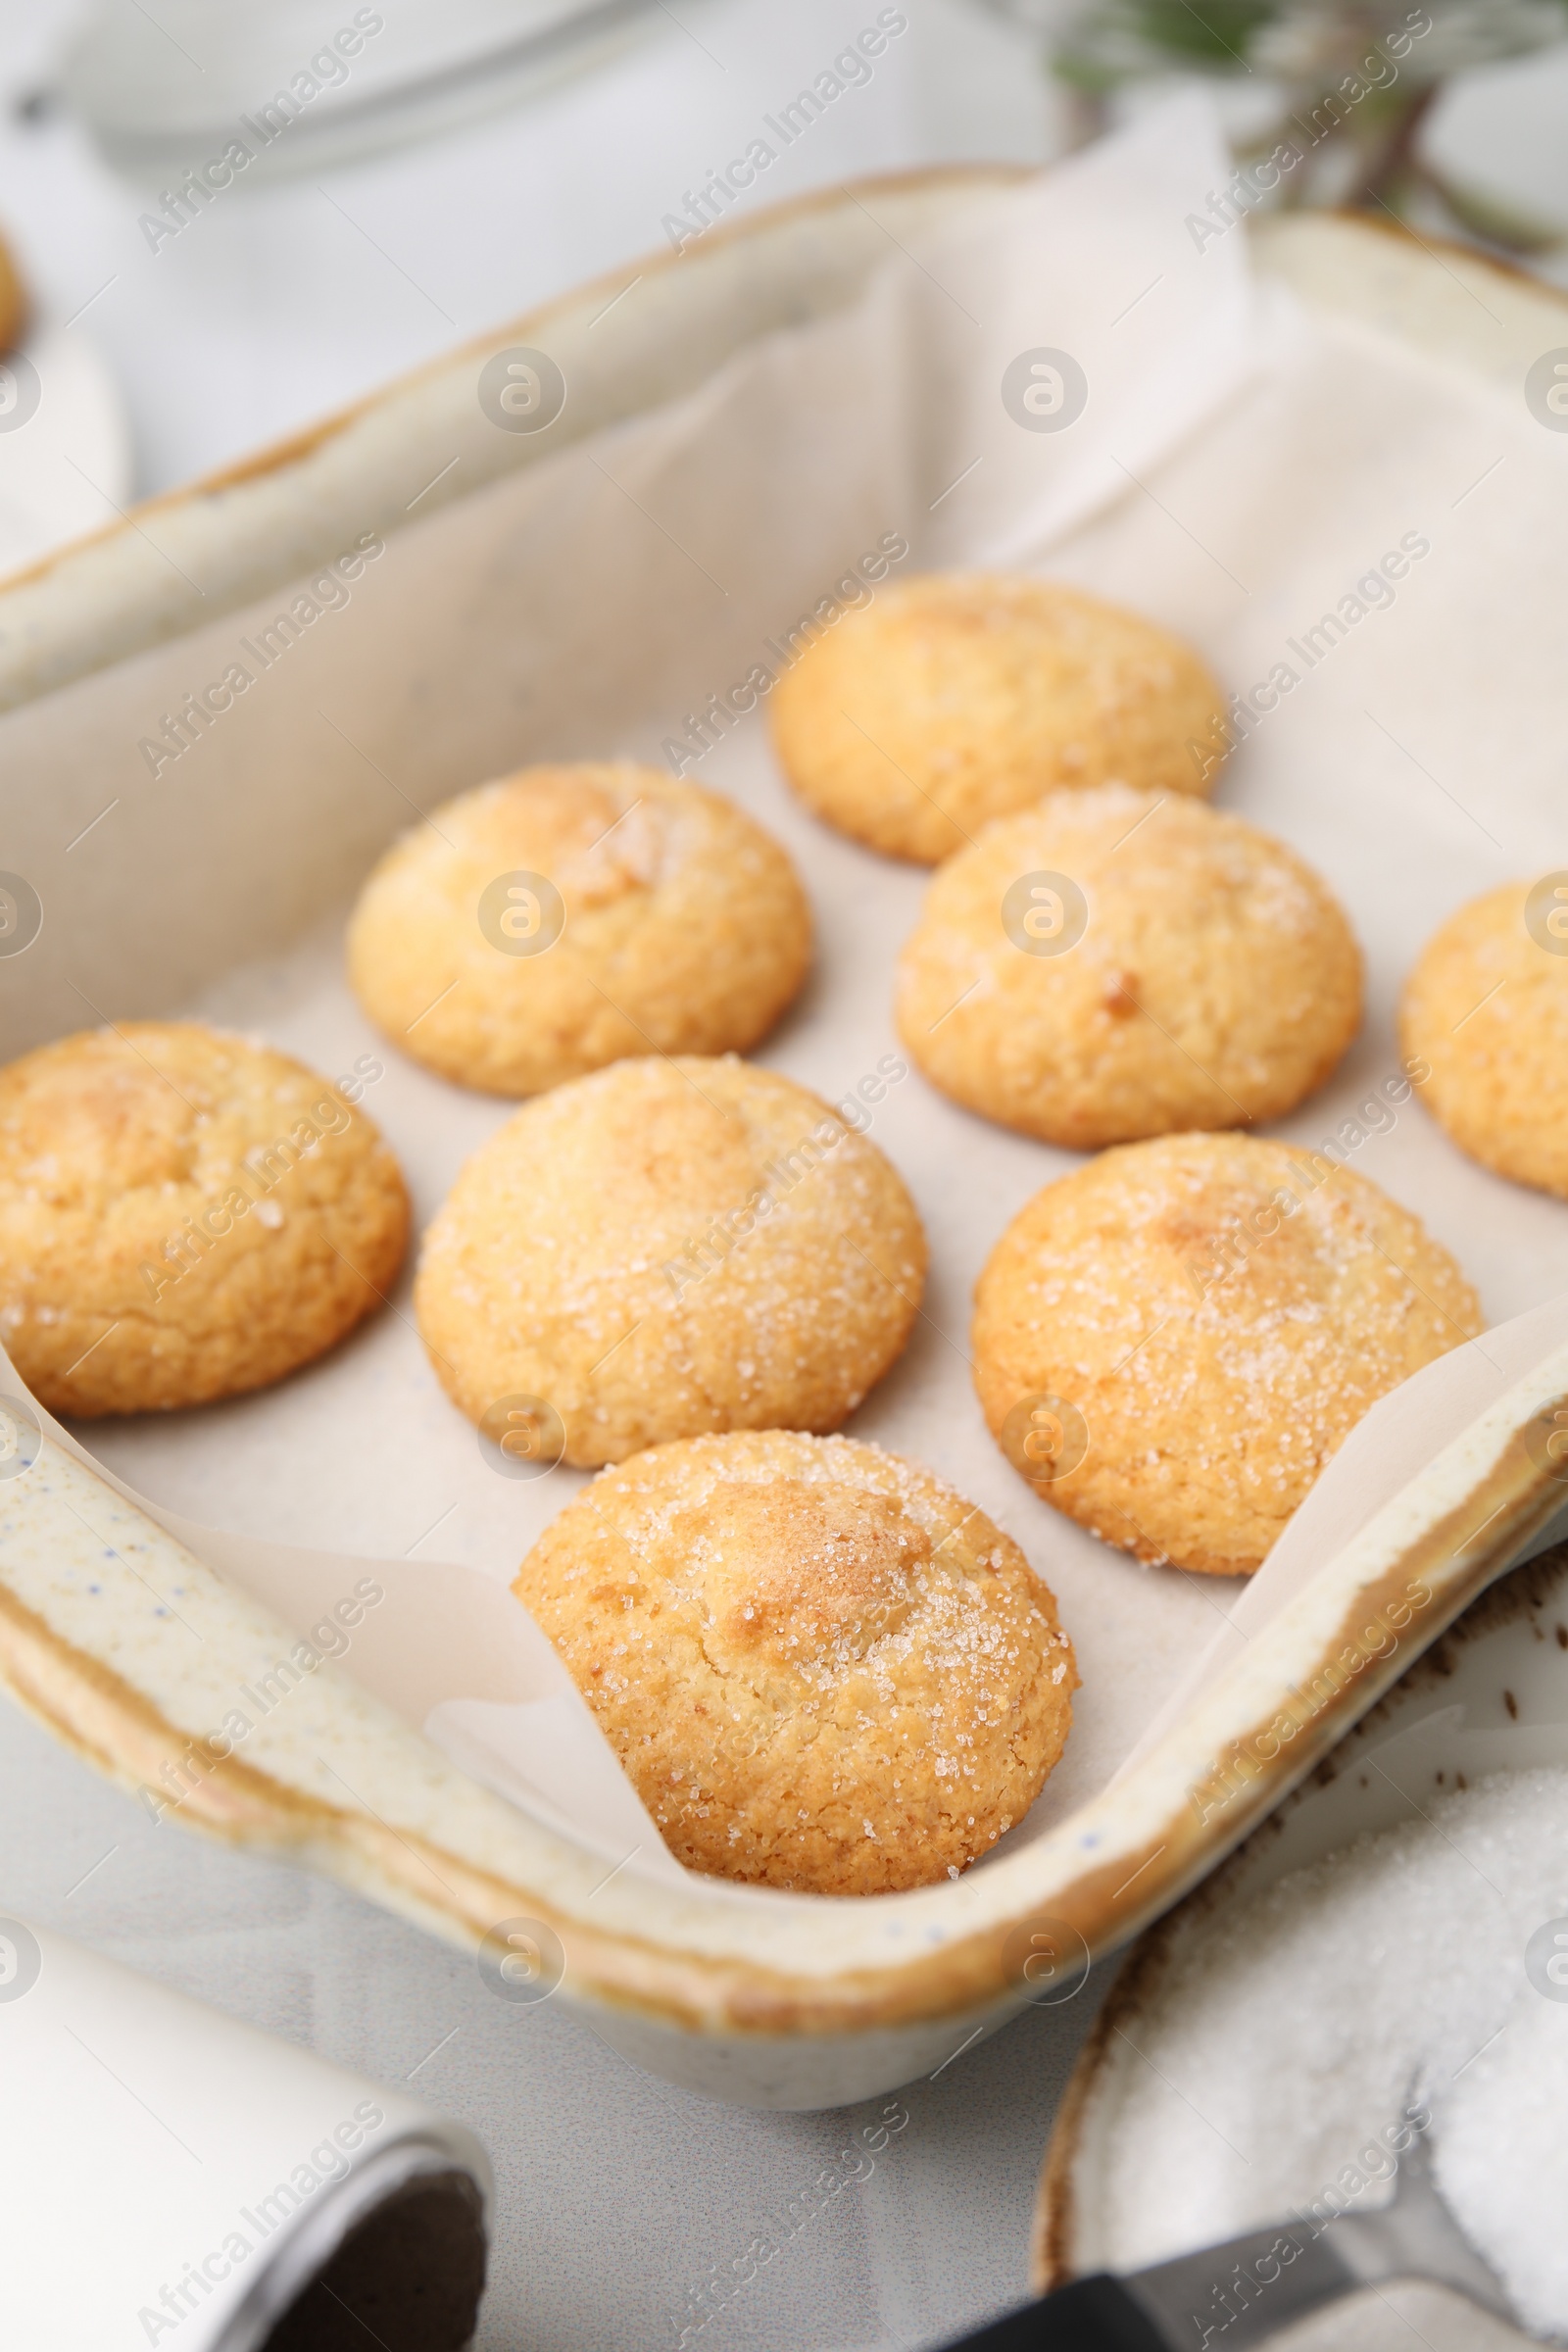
(668, 1249)
(1486, 1009)
(13, 300)
(563, 917)
(1170, 1343)
(958, 697)
(821, 1668)
(1112, 964)
(184, 1216)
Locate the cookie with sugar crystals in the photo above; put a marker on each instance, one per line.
(1171, 1343)
(184, 1216)
(667, 1248)
(543, 925)
(1486, 1010)
(1113, 964)
(14, 303)
(957, 697)
(821, 1668)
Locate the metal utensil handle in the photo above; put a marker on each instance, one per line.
(1093, 2314)
(1229, 2298)
(1238, 2294)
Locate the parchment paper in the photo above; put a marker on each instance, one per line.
(1238, 467)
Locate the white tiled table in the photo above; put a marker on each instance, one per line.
(617, 2193)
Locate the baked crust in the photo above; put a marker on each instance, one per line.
(955, 698)
(668, 1249)
(1220, 1312)
(1215, 981)
(821, 1668)
(184, 1216)
(1486, 1009)
(668, 922)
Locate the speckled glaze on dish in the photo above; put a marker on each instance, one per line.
(762, 1998)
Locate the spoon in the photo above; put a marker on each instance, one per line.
(1238, 2294)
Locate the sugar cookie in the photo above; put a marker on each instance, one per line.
(820, 1667)
(184, 1216)
(667, 1248)
(14, 304)
(1486, 1009)
(956, 698)
(543, 925)
(1113, 964)
(1171, 1341)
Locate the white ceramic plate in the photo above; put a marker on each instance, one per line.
(1489, 1697)
(64, 467)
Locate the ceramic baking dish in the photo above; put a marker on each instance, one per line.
(779, 2002)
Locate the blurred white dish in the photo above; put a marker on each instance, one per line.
(65, 448)
(1489, 1697)
(156, 92)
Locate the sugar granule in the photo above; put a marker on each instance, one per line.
(1292, 2028)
